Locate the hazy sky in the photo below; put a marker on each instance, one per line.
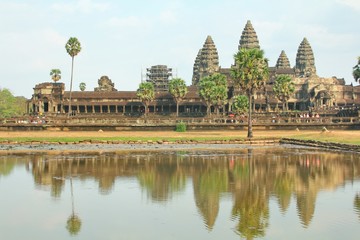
(122, 38)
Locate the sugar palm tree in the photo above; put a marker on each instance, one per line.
(73, 47)
(73, 224)
(220, 92)
(283, 88)
(249, 74)
(240, 104)
(146, 93)
(206, 87)
(82, 86)
(55, 74)
(178, 90)
(356, 71)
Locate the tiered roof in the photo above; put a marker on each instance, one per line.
(249, 38)
(305, 61)
(283, 61)
(206, 62)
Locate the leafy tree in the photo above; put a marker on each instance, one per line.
(146, 93)
(82, 86)
(356, 71)
(73, 47)
(241, 104)
(178, 90)
(55, 74)
(283, 88)
(206, 86)
(73, 224)
(11, 106)
(213, 90)
(250, 73)
(220, 92)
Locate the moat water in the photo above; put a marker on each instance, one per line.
(277, 192)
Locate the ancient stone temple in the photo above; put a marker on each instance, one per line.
(305, 61)
(248, 37)
(206, 62)
(283, 61)
(159, 75)
(312, 92)
(105, 85)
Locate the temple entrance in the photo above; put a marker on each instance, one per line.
(46, 104)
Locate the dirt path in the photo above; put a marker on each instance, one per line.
(172, 134)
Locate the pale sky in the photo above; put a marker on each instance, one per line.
(121, 38)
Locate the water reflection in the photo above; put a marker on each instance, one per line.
(251, 178)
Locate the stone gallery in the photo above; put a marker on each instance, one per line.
(312, 92)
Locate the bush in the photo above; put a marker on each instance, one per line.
(180, 127)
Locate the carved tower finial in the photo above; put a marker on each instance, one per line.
(206, 62)
(249, 38)
(283, 61)
(305, 61)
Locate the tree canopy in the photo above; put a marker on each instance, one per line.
(240, 104)
(55, 74)
(178, 89)
(356, 71)
(249, 74)
(73, 47)
(11, 106)
(213, 90)
(146, 93)
(283, 88)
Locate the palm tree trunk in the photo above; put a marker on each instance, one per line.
(177, 108)
(250, 133)
(71, 82)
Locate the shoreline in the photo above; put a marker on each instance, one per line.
(33, 141)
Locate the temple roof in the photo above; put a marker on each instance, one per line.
(283, 61)
(206, 62)
(249, 38)
(305, 61)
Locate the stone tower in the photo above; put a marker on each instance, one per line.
(206, 62)
(196, 74)
(159, 75)
(283, 61)
(249, 38)
(305, 61)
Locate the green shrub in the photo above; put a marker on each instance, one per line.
(180, 127)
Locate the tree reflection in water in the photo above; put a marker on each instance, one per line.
(73, 224)
(250, 177)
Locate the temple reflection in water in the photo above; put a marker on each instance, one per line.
(251, 178)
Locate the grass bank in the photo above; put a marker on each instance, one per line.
(338, 136)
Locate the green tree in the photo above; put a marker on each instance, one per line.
(213, 90)
(73, 48)
(283, 88)
(220, 91)
(356, 71)
(82, 86)
(55, 74)
(73, 224)
(11, 106)
(249, 74)
(241, 104)
(206, 86)
(178, 90)
(146, 93)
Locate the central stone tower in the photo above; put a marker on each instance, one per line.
(248, 37)
(305, 61)
(206, 62)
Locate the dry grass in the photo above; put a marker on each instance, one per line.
(343, 136)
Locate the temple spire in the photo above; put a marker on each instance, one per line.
(305, 61)
(206, 62)
(283, 61)
(249, 38)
